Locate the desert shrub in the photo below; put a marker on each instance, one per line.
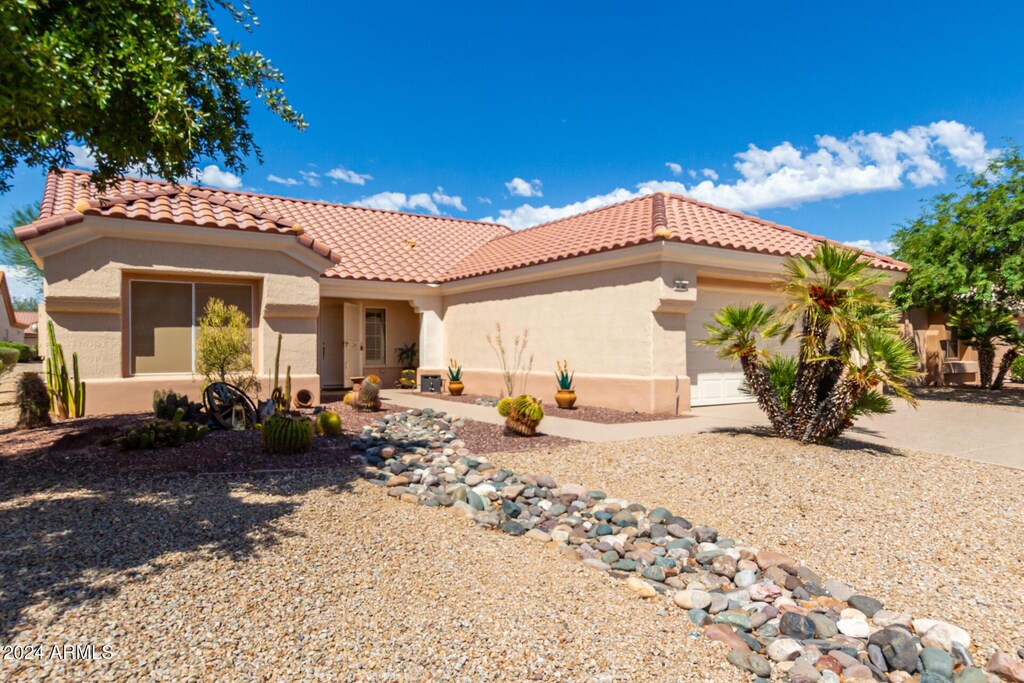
(1017, 369)
(8, 359)
(33, 401)
(224, 347)
(24, 350)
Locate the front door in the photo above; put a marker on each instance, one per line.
(332, 357)
(353, 336)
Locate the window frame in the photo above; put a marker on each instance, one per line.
(951, 346)
(383, 359)
(126, 332)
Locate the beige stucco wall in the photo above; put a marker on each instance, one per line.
(84, 284)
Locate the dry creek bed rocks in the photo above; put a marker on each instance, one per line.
(776, 615)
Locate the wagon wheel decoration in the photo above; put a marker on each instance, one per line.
(220, 399)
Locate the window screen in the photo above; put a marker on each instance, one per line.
(375, 342)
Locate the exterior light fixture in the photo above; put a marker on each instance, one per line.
(681, 285)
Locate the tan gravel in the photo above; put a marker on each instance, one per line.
(937, 536)
(320, 576)
(317, 577)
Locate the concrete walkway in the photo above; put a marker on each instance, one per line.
(984, 433)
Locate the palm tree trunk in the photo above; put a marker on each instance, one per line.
(986, 361)
(805, 393)
(761, 386)
(1011, 355)
(832, 416)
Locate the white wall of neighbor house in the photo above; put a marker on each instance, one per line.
(87, 290)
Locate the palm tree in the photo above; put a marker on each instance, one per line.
(981, 331)
(1015, 339)
(850, 346)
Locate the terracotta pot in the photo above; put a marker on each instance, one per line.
(455, 388)
(565, 398)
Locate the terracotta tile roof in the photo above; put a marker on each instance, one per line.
(27, 318)
(362, 243)
(371, 244)
(644, 219)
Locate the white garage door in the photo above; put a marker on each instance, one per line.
(714, 381)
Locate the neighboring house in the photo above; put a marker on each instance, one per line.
(30, 319)
(621, 292)
(10, 328)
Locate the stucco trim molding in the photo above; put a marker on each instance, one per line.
(291, 311)
(103, 305)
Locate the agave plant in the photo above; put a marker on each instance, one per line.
(850, 346)
(454, 371)
(563, 376)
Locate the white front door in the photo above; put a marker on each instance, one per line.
(353, 341)
(332, 367)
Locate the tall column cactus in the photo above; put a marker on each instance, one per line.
(67, 392)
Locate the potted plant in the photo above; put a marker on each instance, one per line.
(566, 396)
(455, 385)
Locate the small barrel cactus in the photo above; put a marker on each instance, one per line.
(162, 433)
(33, 402)
(328, 423)
(504, 406)
(369, 397)
(350, 398)
(287, 433)
(524, 414)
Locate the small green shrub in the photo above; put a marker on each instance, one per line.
(33, 402)
(8, 359)
(286, 433)
(1017, 369)
(162, 434)
(24, 350)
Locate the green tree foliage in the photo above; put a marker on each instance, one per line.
(145, 84)
(850, 344)
(967, 250)
(13, 252)
(224, 347)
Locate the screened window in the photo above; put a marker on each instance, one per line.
(163, 321)
(375, 333)
(952, 345)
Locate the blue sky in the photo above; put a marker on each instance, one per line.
(832, 120)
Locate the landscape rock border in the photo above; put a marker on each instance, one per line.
(772, 612)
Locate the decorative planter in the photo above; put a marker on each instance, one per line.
(565, 399)
(456, 388)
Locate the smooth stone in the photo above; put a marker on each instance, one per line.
(970, 674)
(738, 620)
(865, 604)
(934, 660)
(694, 599)
(512, 528)
(625, 565)
(823, 626)
(764, 592)
(962, 657)
(797, 626)
(858, 673)
(770, 558)
(942, 636)
(725, 634)
(698, 616)
(876, 657)
(751, 662)
(654, 573)
(784, 650)
(829, 677)
(855, 628)
(659, 515)
(744, 578)
(802, 672)
(719, 603)
(538, 535)
(641, 587)
(1006, 666)
(838, 590)
(597, 564)
(898, 648)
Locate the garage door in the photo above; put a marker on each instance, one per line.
(714, 381)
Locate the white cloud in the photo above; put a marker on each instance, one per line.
(312, 178)
(283, 181)
(878, 246)
(484, 200)
(18, 282)
(82, 157)
(674, 167)
(787, 176)
(446, 200)
(347, 176)
(518, 187)
(213, 176)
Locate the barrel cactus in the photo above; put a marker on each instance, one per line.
(287, 433)
(524, 414)
(369, 397)
(504, 406)
(328, 423)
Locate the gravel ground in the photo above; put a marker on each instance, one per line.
(578, 412)
(318, 575)
(1010, 396)
(938, 536)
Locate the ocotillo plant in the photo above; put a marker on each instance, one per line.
(67, 394)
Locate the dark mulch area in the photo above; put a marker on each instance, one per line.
(582, 413)
(1010, 396)
(483, 437)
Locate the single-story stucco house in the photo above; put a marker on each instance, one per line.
(621, 292)
(11, 329)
